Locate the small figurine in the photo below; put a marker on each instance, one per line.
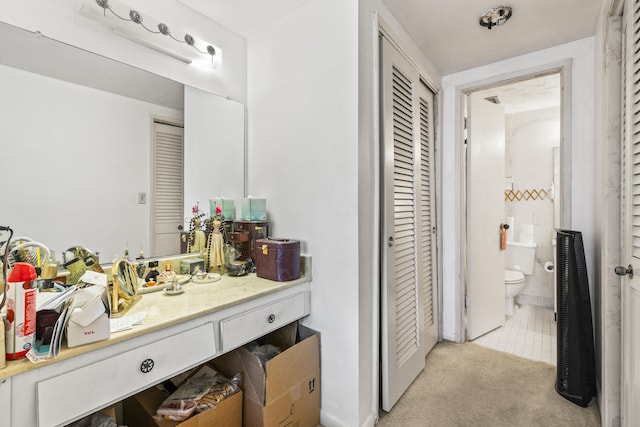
(197, 239)
(216, 244)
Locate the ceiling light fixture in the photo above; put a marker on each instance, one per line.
(496, 16)
(142, 28)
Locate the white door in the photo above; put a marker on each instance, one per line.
(630, 292)
(167, 189)
(409, 327)
(485, 214)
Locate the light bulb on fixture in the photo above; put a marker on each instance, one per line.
(496, 16)
(128, 22)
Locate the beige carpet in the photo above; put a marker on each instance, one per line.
(469, 385)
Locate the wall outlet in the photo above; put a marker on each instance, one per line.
(142, 198)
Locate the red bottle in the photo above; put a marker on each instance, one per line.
(21, 310)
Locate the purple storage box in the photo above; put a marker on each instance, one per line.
(277, 259)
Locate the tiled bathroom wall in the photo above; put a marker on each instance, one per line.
(530, 138)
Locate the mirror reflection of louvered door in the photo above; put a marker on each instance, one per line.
(409, 327)
(167, 189)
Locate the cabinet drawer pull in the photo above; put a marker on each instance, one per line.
(146, 366)
(271, 318)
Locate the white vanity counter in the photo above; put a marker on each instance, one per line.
(179, 332)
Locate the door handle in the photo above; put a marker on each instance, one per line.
(622, 271)
(390, 241)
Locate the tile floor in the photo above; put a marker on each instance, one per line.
(530, 333)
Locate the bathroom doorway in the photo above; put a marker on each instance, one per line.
(513, 137)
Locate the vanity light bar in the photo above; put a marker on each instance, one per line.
(141, 28)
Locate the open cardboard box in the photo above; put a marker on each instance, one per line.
(139, 411)
(286, 392)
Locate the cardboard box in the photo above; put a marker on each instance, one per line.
(139, 411)
(286, 392)
(110, 411)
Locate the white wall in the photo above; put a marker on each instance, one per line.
(75, 159)
(303, 158)
(60, 20)
(312, 154)
(581, 55)
(214, 136)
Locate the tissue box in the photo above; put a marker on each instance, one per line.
(254, 209)
(228, 207)
(89, 319)
(97, 330)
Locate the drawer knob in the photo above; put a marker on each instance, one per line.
(146, 366)
(271, 318)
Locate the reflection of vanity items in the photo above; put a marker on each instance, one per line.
(228, 207)
(254, 209)
(192, 266)
(257, 230)
(167, 275)
(278, 259)
(238, 240)
(77, 260)
(124, 291)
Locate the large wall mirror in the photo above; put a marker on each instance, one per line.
(77, 139)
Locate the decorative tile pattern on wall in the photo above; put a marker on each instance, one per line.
(519, 195)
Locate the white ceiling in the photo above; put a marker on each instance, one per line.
(446, 30)
(449, 34)
(528, 95)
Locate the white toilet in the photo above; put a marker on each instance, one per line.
(519, 262)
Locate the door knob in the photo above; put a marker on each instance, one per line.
(622, 271)
(180, 227)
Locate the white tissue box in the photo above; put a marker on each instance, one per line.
(97, 330)
(89, 319)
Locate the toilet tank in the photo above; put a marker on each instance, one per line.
(520, 256)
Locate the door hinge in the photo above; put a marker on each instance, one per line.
(467, 301)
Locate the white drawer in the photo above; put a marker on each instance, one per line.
(238, 330)
(82, 391)
(5, 398)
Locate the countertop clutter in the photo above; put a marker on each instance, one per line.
(161, 311)
(180, 332)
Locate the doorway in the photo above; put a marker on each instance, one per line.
(167, 187)
(513, 166)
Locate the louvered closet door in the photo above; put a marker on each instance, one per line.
(630, 291)
(408, 315)
(167, 189)
(426, 216)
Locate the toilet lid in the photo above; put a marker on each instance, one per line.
(511, 276)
